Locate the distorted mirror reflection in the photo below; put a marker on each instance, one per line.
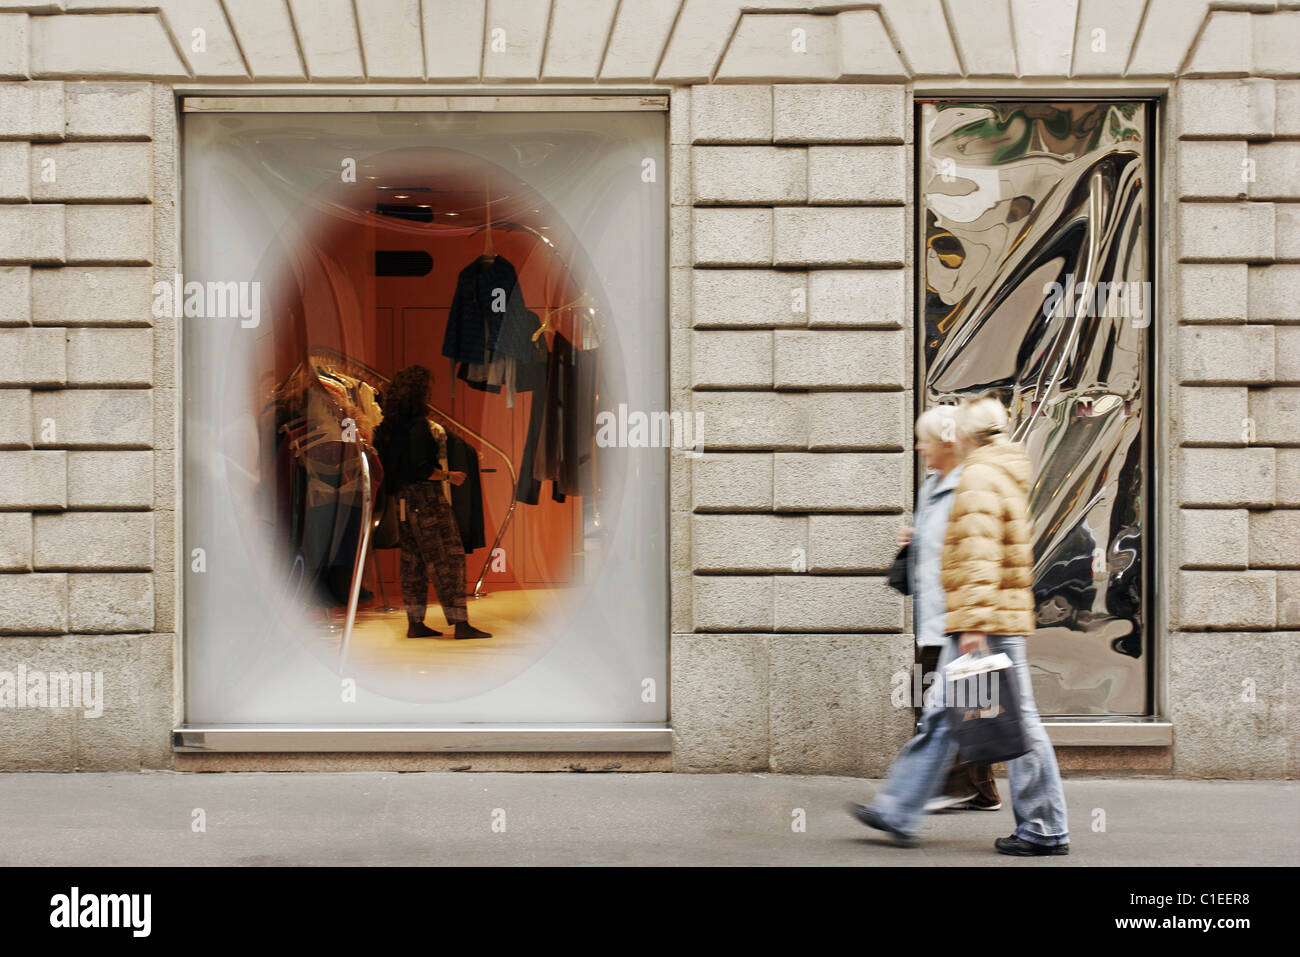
(1035, 263)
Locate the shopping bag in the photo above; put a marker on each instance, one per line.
(982, 694)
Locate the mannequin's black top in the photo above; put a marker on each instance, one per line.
(410, 458)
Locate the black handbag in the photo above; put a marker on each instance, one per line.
(984, 707)
(899, 580)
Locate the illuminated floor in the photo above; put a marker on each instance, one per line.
(523, 622)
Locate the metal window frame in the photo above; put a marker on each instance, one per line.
(653, 738)
(484, 738)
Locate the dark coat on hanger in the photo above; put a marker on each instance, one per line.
(528, 374)
(478, 332)
(466, 498)
(566, 444)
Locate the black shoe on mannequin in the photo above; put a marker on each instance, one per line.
(418, 629)
(465, 630)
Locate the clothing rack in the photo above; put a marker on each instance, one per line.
(368, 373)
(367, 515)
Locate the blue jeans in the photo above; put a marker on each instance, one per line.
(918, 773)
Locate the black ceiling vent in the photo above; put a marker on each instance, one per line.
(402, 262)
(417, 214)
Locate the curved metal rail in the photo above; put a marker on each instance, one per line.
(358, 567)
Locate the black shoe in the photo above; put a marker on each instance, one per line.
(418, 629)
(872, 820)
(981, 803)
(465, 630)
(1017, 848)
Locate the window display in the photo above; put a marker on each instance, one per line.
(396, 507)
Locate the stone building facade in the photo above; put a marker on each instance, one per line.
(789, 169)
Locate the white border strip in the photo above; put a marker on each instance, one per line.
(470, 103)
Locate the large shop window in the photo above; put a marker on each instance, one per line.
(406, 335)
(1034, 253)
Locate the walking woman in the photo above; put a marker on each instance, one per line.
(987, 573)
(415, 472)
(968, 786)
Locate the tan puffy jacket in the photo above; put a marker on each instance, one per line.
(987, 564)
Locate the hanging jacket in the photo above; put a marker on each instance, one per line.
(988, 556)
(558, 443)
(531, 377)
(516, 375)
(477, 330)
(467, 497)
(528, 488)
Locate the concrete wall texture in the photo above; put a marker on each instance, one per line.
(789, 170)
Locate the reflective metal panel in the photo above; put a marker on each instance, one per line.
(1034, 259)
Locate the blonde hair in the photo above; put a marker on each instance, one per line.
(938, 424)
(983, 421)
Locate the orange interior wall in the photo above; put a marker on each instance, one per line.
(393, 322)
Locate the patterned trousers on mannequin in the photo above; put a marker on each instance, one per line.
(431, 550)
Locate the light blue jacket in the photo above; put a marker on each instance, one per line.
(929, 523)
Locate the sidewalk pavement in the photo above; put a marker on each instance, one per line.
(605, 819)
